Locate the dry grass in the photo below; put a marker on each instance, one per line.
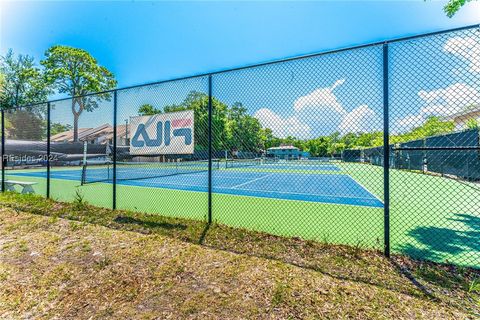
(75, 261)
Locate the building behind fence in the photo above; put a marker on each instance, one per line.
(279, 148)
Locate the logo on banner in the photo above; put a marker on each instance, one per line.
(166, 133)
(165, 130)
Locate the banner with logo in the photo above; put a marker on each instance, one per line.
(168, 133)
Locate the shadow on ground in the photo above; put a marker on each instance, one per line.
(438, 243)
(149, 224)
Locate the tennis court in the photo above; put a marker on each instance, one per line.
(313, 183)
(331, 202)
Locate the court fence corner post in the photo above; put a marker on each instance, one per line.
(114, 151)
(386, 154)
(48, 149)
(209, 149)
(3, 151)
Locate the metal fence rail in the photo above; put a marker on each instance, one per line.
(373, 145)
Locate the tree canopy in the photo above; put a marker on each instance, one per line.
(472, 124)
(22, 83)
(148, 110)
(75, 72)
(453, 6)
(234, 129)
(25, 125)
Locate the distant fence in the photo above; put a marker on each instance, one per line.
(413, 159)
(455, 160)
(312, 105)
(455, 154)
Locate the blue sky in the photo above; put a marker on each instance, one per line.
(149, 41)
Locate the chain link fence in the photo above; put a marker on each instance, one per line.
(375, 146)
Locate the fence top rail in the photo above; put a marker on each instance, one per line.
(437, 148)
(299, 57)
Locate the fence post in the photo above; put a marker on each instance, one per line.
(48, 150)
(3, 151)
(386, 154)
(210, 149)
(114, 173)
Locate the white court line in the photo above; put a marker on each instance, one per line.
(165, 185)
(251, 196)
(161, 184)
(305, 194)
(66, 175)
(361, 185)
(242, 184)
(227, 177)
(57, 176)
(237, 187)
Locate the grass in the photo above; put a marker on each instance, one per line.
(431, 217)
(72, 259)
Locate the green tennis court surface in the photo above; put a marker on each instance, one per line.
(431, 217)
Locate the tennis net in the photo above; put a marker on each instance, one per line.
(103, 171)
(270, 160)
(240, 163)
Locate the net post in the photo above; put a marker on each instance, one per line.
(209, 149)
(48, 149)
(386, 154)
(3, 150)
(114, 158)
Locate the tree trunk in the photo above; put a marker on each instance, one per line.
(76, 116)
(75, 127)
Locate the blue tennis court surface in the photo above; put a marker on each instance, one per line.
(313, 187)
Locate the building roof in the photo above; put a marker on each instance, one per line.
(122, 131)
(472, 112)
(93, 133)
(88, 134)
(66, 135)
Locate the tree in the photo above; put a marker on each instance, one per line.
(472, 124)
(370, 139)
(267, 138)
(75, 72)
(148, 110)
(198, 102)
(56, 128)
(336, 148)
(2, 86)
(433, 126)
(22, 82)
(453, 6)
(25, 125)
(318, 147)
(243, 130)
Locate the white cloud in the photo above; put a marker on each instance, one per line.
(318, 113)
(467, 48)
(441, 102)
(320, 109)
(320, 100)
(455, 98)
(360, 119)
(282, 127)
(449, 100)
(408, 123)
